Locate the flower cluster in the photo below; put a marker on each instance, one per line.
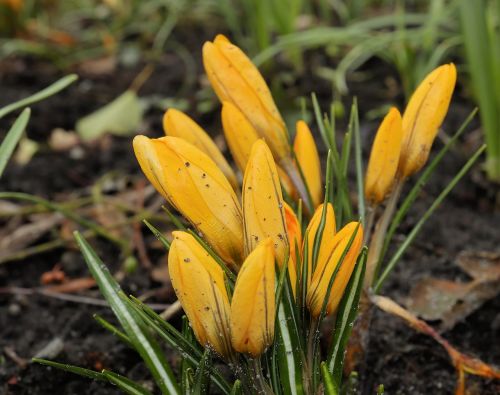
(251, 231)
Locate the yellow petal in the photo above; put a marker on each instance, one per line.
(318, 288)
(196, 187)
(308, 158)
(178, 124)
(263, 210)
(236, 79)
(327, 238)
(294, 234)
(253, 306)
(198, 282)
(239, 132)
(423, 116)
(384, 158)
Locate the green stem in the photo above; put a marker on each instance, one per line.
(377, 241)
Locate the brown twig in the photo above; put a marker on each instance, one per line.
(463, 363)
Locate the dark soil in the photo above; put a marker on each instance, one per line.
(404, 361)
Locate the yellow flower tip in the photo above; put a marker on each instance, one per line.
(384, 158)
(263, 206)
(239, 132)
(197, 188)
(178, 124)
(235, 79)
(198, 282)
(317, 291)
(308, 159)
(294, 234)
(423, 117)
(253, 306)
(327, 238)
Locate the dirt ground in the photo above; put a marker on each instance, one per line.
(404, 361)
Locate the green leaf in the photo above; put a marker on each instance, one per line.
(132, 324)
(187, 368)
(201, 384)
(12, 138)
(236, 390)
(188, 348)
(114, 330)
(43, 94)
(91, 374)
(126, 385)
(121, 117)
(328, 381)
(416, 229)
(346, 315)
(158, 234)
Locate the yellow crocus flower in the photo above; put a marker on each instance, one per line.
(308, 159)
(253, 306)
(384, 158)
(423, 116)
(318, 288)
(178, 124)
(235, 79)
(197, 188)
(263, 210)
(198, 282)
(326, 239)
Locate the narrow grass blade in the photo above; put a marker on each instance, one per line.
(236, 390)
(201, 384)
(346, 315)
(132, 324)
(409, 239)
(163, 240)
(359, 163)
(43, 94)
(126, 385)
(12, 138)
(189, 348)
(328, 382)
(187, 368)
(67, 212)
(91, 374)
(114, 330)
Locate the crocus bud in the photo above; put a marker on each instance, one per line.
(318, 288)
(253, 306)
(198, 282)
(196, 187)
(178, 124)
(239, 132)
(384, 158)
(327, 237)
(294, 234)
(308, 159)
(263, 211)
(240, 136)
(236, 79)
(423, 116)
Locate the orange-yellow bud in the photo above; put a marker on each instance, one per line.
(318, 288)
(308, 158)
(198, 282)
(327, 237)
(236, 79)
(263, 210)
(253, 306)
(384, 158)
(178, 124)
(423, 116)
(294, 234)
(196, 187)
